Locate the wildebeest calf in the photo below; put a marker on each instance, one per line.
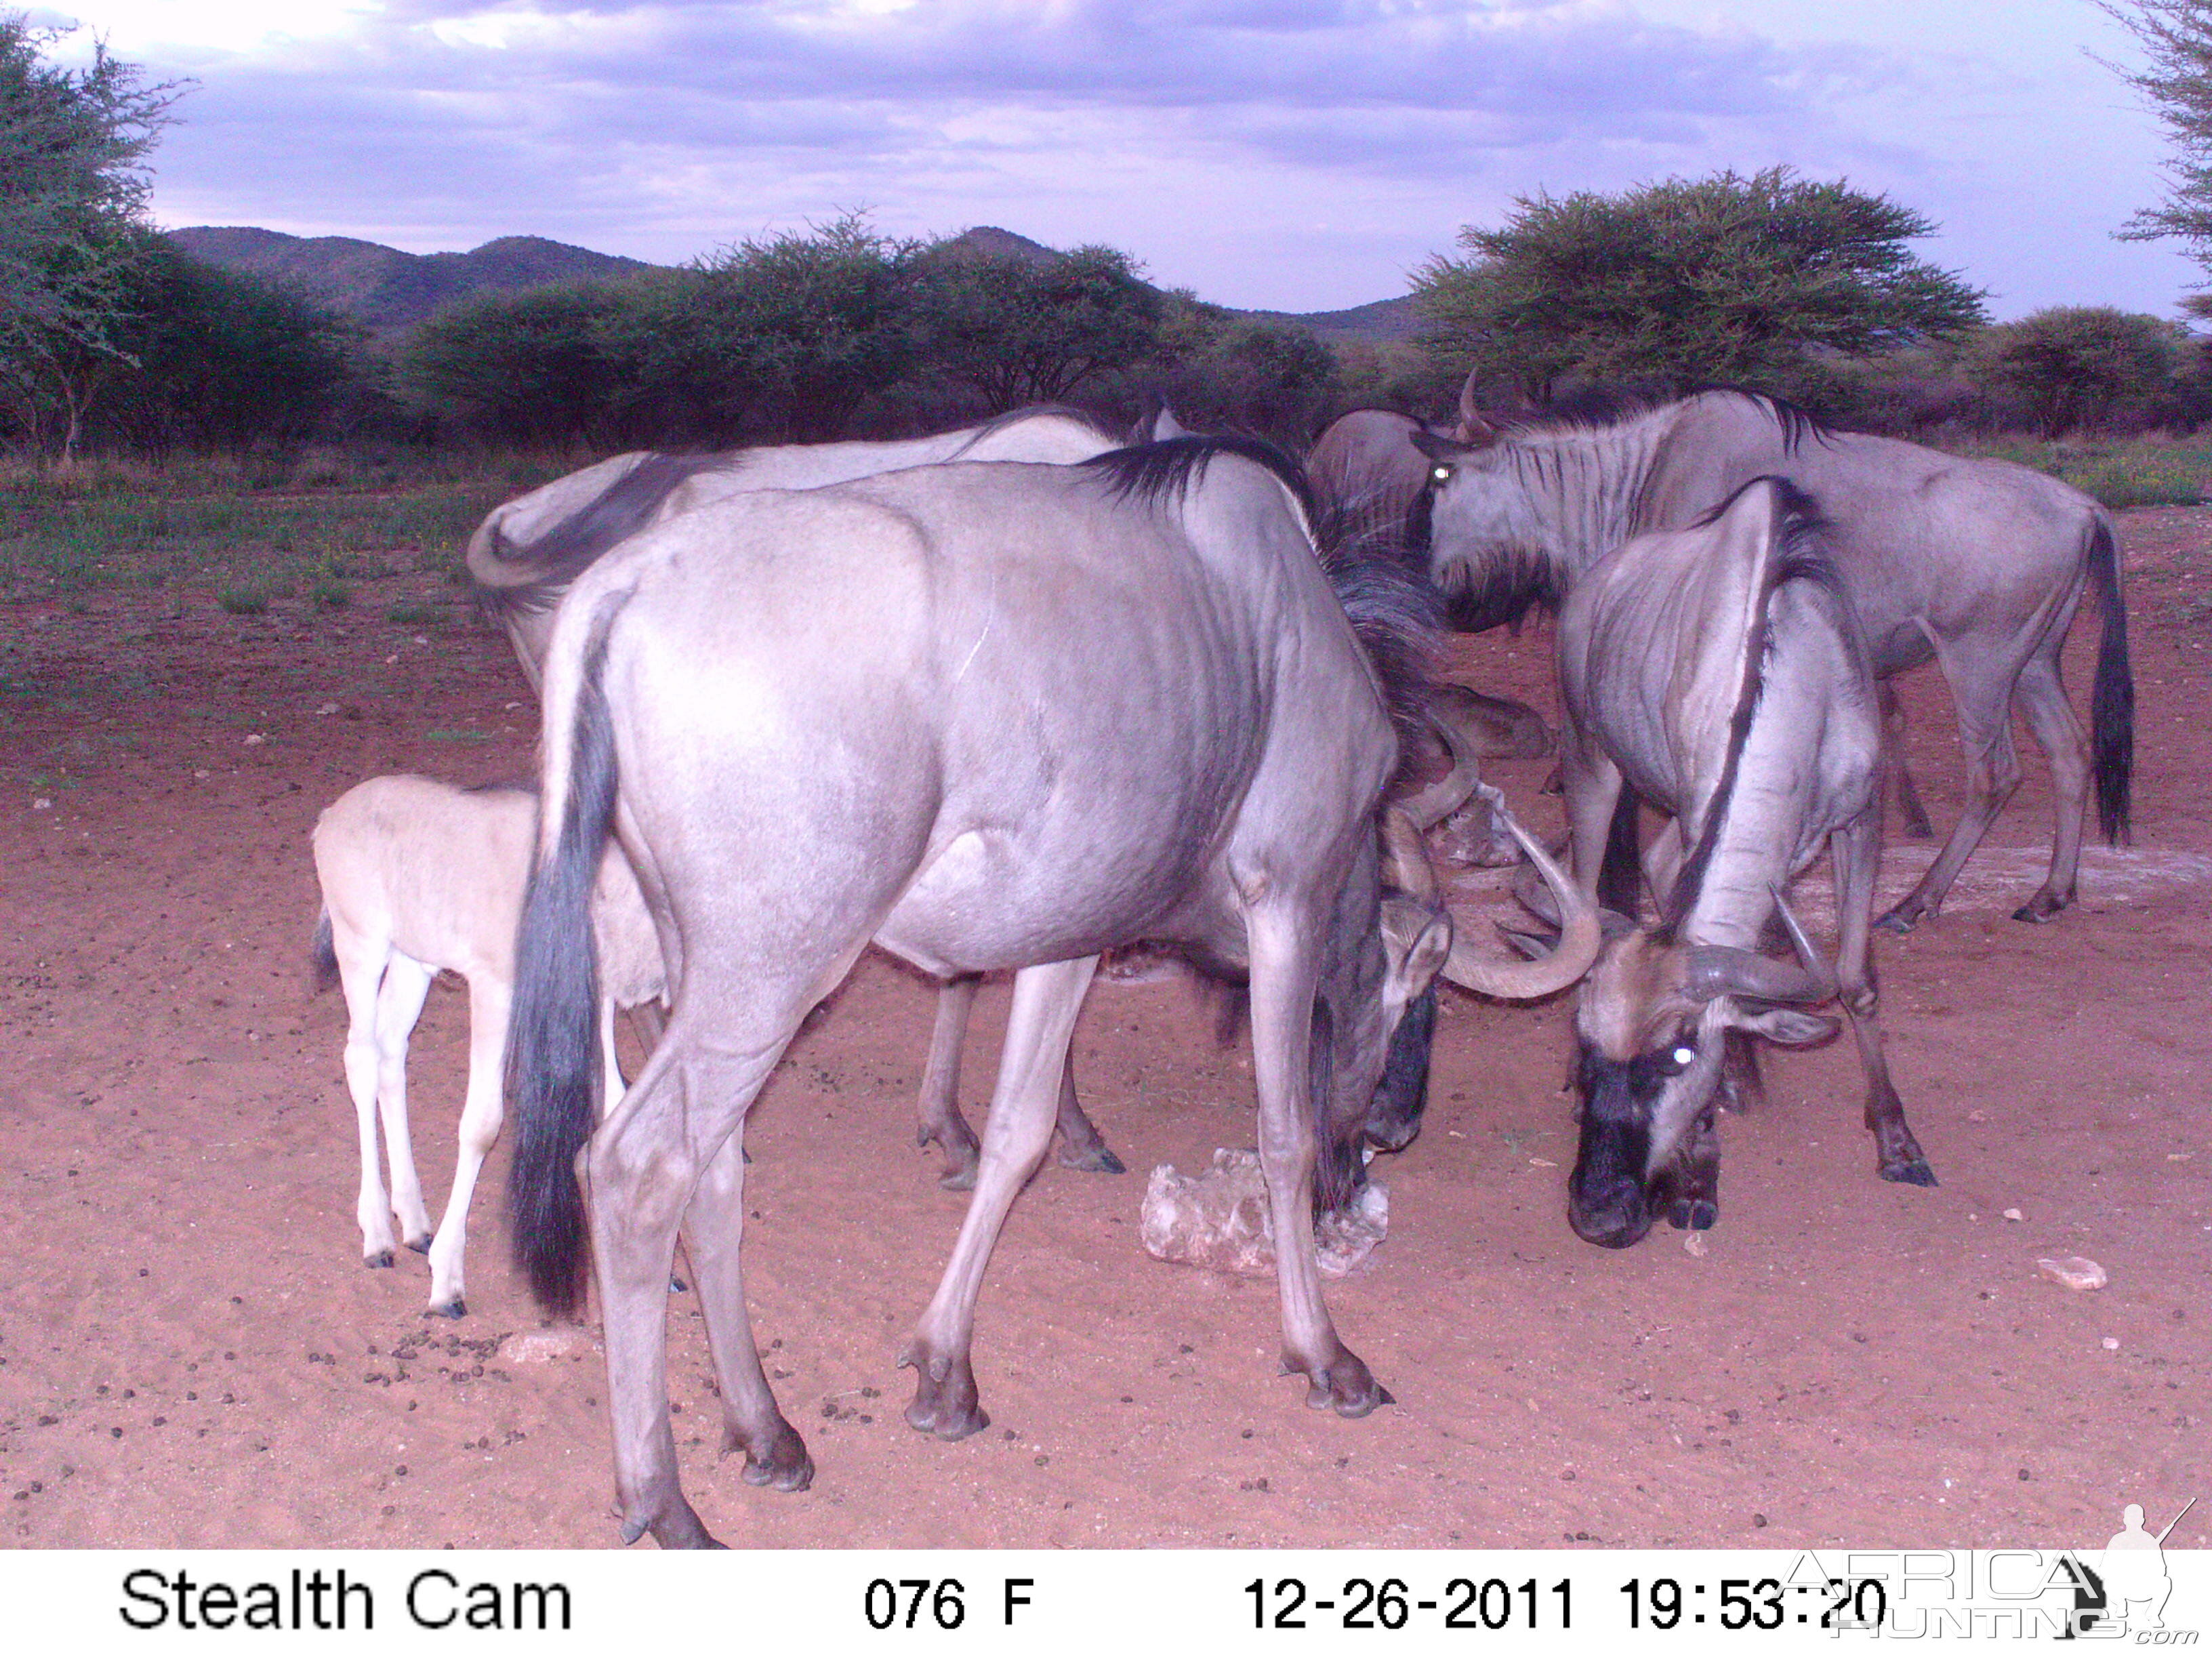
(419, 876)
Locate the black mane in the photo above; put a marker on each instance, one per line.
(1804, 557)
(1390, 610)
(1593, 408)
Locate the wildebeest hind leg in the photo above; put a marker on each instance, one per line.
(1015, 1136)
(2042, 698)
(713, 1230)
(1983, 690)
(640, 1171)
(1284, 985)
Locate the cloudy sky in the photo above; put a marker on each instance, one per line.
(1300, 154)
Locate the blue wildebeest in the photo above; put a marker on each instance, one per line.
(1368, 474)
(524, 555)
(1720, 673)
(1976, 563)
(419, 877)
(987, 717)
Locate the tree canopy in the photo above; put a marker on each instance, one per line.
(2079, 368)
(1727, 280)
(2176, 35)
(72, 201)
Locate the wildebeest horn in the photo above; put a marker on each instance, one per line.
(1580, 936)
(1472, 427)
(1730, 970)
(1431, 807)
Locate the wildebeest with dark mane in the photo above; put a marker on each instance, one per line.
(987, 717)
(526, 552)
(1979, 564)
(1719, 672)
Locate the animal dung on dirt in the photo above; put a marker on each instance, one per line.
(2076, 1273)
(1220, 1221)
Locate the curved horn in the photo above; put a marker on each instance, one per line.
(1580, 934)
(1472, 427)
(1730, 970)
(1431, 805)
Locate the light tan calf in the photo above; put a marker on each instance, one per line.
(419, 876)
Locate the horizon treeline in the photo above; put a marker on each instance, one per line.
(841, 332)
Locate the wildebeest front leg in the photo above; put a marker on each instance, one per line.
(714, 1228)
(1856, 850)
(398, 1005)
(1900, 776)
(1284, 955)
(1082, 1147)
(938, 1116)
(641, 1173)
(1046, 1001)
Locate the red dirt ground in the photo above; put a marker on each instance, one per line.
(192, 1354)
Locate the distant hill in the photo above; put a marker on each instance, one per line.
(1378, 321)
(386, 288)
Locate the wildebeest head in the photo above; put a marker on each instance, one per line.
(1481, 531)
(1421, 942)
(1650, 1033)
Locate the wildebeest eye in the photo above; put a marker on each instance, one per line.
(1676, 1061)
(1440, 474)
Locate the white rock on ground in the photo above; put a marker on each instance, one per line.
(1221, 1220)
(2076, 1273)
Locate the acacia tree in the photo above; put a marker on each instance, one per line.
(2176, 35)
(72, 232)
(2079, 368)
(1018, 331)
(1727, 280)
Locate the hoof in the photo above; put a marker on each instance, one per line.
(677, 1286)
(2041, 907)
(1898, 920)
(782, 1464)
(1095, 1160)
(1694, 1215)
(377, 1259)
(958, 1180)
(451, 1307)
(1910, 1172)
(1345, 1387)
(420, 1245)
(945, 1398)
(681, 1529)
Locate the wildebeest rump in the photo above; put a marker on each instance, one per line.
(1978, 563)
(1044, 711)
(1719, 672)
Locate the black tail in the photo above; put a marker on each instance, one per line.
(2112, 704)
(324, 953)
(552, 1052)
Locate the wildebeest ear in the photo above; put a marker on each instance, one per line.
(1792, 1028)
(1438, 447)
(1158, 426)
